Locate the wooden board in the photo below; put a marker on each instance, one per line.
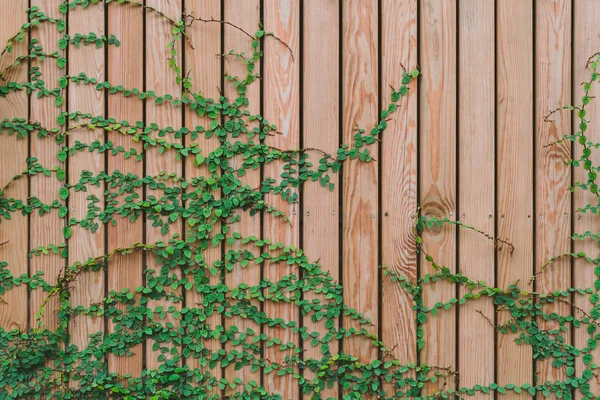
(46, 189)
(281, 104)
(476, 186)
(84, 243)
(321, 129)
(127, 24)
(586, 42)
(360, 197)
(437, 132)
(514, 174)
(161, 79)
(245, 14)
(14, 153)
(553, 199)
(398, 160)
(205, 66)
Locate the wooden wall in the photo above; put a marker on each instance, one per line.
(468, 143)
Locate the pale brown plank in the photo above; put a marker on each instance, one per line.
(13, 153)
(398, 179)
(205, 66)
(360, 233)
(48, 228)
(586, 41)
(321, 129)
(553, 200)
(282, 108)
(437, 131)
(83, 244)
(127, 24)
(161, 79)
(476, 191)
(245, 14)
(514, 175)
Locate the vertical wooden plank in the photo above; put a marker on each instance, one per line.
(398, 179)
(14, 153)
(50, 226)
(282, 108)
(476, 185)
(85, 98)
(161, 79)
(321, 129)
(205, 66)
(586, 42)
(553, 200)
(514, 174)
(360, 197)
(437, 131)
(127, 24)
(245, 14)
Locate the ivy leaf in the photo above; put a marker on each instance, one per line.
(61, 62)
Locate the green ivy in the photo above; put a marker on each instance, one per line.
(45, 363)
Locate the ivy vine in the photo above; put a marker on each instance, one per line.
(45, 363)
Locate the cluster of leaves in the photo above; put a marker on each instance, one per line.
(43, 362)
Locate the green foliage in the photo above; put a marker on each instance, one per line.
(44, 362)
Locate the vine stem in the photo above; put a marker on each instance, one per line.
(190, 18)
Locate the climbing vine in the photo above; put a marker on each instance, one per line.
(45, 363)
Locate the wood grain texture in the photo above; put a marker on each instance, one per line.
(460, 146)
(281, 104)
(586, 41)
(161, 79)
(205, 66)
(14, 153)
(321, 129)
(514, 173)
(398, 178)
(124, 64)
(245, 14)
(553, 199)
(437, 130)
(50, 226)
(85, 98)
(360, 196)
(476, 186)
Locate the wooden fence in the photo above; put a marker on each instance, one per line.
(468, 143)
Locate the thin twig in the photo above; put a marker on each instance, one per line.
(589, 61)
(486, 318)
(190, 18)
